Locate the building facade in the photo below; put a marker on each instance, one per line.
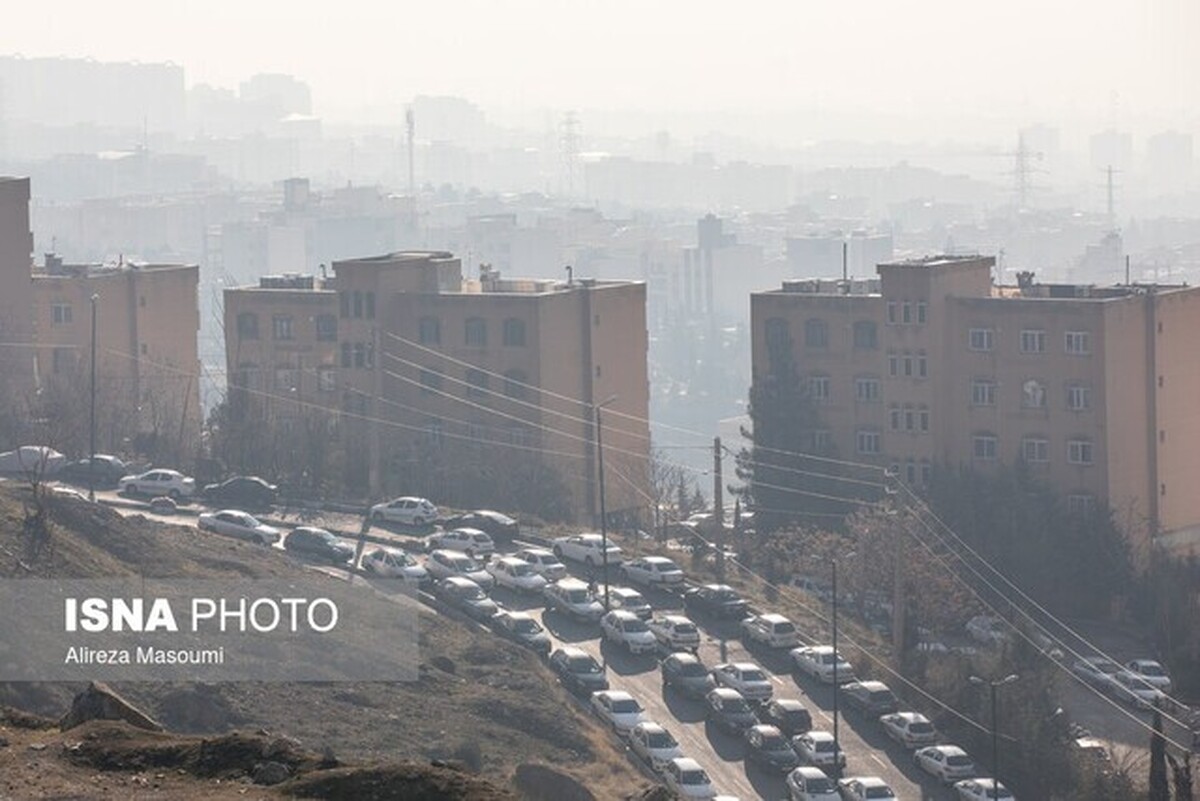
(16, 292)
(932, 364)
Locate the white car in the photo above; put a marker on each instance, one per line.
(745, 677)
(1150, 672)
(618, 709)
(516, 574)
(169, 483)
(910, 729)
(947, 762)
(444, 564)
(808, 783)
(1134, 690)
(819, 661)
(544, 562)
(675, 632)
(394, 563)
(818, 748)
(652, 571)
(629, 630)
(238, 524)
(654, 744)
(471, 541)
(865, 788)
(772, 630)
(982, 790)
(631, 601)
(586, 548)
(1097, 671)
(688, 779)
(573, 598)
(407, 511)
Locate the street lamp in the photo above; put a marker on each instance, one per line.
(1009, 679)
(837, 747)
(596, 407)
(92, 434)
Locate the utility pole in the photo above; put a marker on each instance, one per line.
(92, 434)
(600, 486)
(718, 509)
(837, 747)
(410, 126)
(994, 685)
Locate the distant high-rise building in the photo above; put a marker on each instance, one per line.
(1170, 160)
(1111, 148)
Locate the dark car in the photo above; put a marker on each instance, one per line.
(319, 543)
(787, 715)
(578, 670)
(467, 596)
(717, 600)
(728, 710)
(521, 628)
(500, 527)
(687, 675)
(767, 746)
(108, 471)
(244, 492)
(872, 698)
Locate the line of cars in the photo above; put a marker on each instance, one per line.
(1142, 683)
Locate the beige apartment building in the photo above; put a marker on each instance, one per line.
(417, 362)
(931, 364)
(16, 292)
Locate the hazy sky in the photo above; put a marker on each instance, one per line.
(959, 57)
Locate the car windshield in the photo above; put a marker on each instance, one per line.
(725, 596)
(522, 570)
(625, 706)
(250, 521)
(690, 669)
(577, 596)
(824, 746)
(775, 742)
(1150, 670)
(463, 564)
(736, 705)
(880, 792)
(526, 626)
(693, 777)
(660, 739)
(881, 696)
(685, 628)
(753, 675)
(826, 659)
(635, 626)
(819, 786)
(920, 727)
(473, 593)
(583, 664)
(958, 760)
(327, 537)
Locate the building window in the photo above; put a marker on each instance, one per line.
(922, 312)
(908, 366)
(515, 384)
(247, 325)
(893, 365)
(360, 354)
(246, 376)
(891, 312)
(983, 392)
(866, 390)
(866, 336)
(285, 379)
(923, 420)
(816, 334)
(281, 326)
(347, 355)
(818, 388)
(1035, 450)
(822, 441)
(983, 447)
(1033, 394)
(906, 312)
(1079, 397)
(867, 441)
(429, 331)
(1033, 341)
(476, 332)
(910, 472)
(358, 304)
(926, 473)
(922, 366)
(910, 419)
(980, 339)
(370, 305)
(1079, 451)
(61, 313)
(435, 433)
(326, 379)
(1078, 343)
(894, 418)
(431, 381)
(1080, 503)
(477, 382)
(326, 328)
(514, 332)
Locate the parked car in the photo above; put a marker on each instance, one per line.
(544, 563)
(105, 470)
(717, 600)
(573, 598)
(628, 630)
(1097, 671)
(248, 492)
(728, 710)
(652, 571)
(818, 748)
(808, 783)
(443, 564)
(910, 729)
(949, 763)
(768, 746)
(320, 543)
(516, 575)
(1133, 690)
(586, 548)
(865, 788)
(32, 460)
(686, 674)
(471, 541)
(987, 629)
(675, 633)
(162, 505)
(500, 527)
(1151, 673)
(523, 629)
(982, 790)
(772, 630)
(745, 677)
(629, 600)
(407, 511)
(171, 483)
(394, 563)
(820, 662)
(687, 778)
(467, 596)
(618, 709)
(239, 525)
(787, 714)
(654, 744)
(578, 670)
(872, 698)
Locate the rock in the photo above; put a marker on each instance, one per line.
(543, 783)
(444, 664)
(101, 702)
(269, 773)
(37, 746)
(3, 742)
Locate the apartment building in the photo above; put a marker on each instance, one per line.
(16, 292)
(412, 356)
(933, 364)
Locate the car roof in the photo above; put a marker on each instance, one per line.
(510, 560)
(810, 772)
(911, 717)
(873, 686)
(726, 692)
(686, 763)
(676, 619)
(766, 729)
(449, 554)
(623, 614)
(818, 734)
(745, 666)
(516, 614)
(657, 560)
(869, 781)
(312, 530)
(571, 583)
(616, 695)
(717, 587)
(650, 727)
(459, 581)
(686, 657)
(788, 703)
(471, 531)
(774, 617)
(948, 749)
(537, 552)
(573, 651)
(624, 592)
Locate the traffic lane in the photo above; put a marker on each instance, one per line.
(1129, 738)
